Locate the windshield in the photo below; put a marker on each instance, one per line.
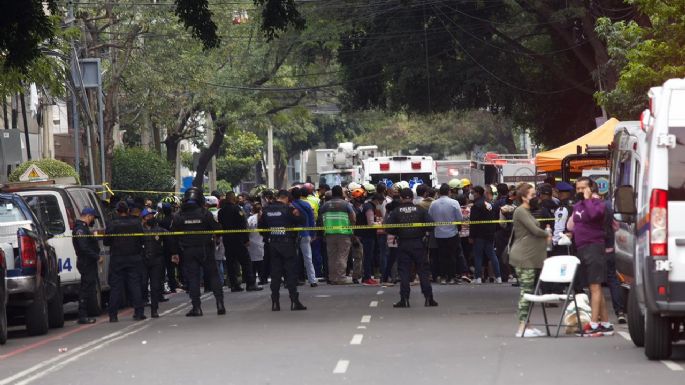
(676, 166)
(9, 212)
(336, 179)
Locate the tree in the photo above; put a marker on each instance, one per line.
(53, 168)
(138, 169)
(236, 160)
(645, 53)
(24, 26)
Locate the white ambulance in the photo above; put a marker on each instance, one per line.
(392, 169)
(656, 307)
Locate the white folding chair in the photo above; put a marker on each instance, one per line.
(560, 269)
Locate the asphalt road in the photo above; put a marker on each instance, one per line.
(349, 335)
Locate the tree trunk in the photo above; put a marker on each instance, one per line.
(171, 143)
(211, 151)
(156, 138)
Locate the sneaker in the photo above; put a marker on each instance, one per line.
(465, 279)
(443, 282)
(370, 282)
(621, 318)
(498, 280)
(606, 329)
(530, 333)
(477, 281)
(588, 331)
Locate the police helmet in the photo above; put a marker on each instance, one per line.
(194, 194)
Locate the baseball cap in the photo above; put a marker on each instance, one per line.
(147, 212)
(564, 186)
(122, 207)
(406, 193)
(90, 211)
(545, 188)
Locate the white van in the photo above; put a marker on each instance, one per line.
(657, 207)
(57, 207)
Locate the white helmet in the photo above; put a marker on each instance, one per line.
(353, 186)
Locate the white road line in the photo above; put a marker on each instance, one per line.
(357, 339)
(625, 335)
(672, 365)
(77, 349)
(361, 327)
(366, 319)
(75, 357)
(341, 367)
(379, 292)
(373, 304)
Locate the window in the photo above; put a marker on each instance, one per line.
(47, 211)
(9, 212)
(82, 199)
(676, 166)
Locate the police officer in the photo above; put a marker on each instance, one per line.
(87, 259)
(232, 217)
(197, 251)
(153, 258)
(126, 262)
(412, 247)
(283, 247)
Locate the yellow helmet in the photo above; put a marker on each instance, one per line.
(465, 182)
(455, 183)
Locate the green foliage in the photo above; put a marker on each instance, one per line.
(24, 26)
(241, 151)
(54, 169)
(223, 186)
(187, 160)
(197, 17)
(139, 169)
(646, 54)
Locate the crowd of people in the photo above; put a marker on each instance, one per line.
(507, 233)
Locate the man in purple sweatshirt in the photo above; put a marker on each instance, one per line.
(587, 224)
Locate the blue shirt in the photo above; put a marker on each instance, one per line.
(306, 210)
(445, 209)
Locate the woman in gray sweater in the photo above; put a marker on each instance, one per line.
(528, 252)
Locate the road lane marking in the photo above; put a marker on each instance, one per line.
(322, 296)
(361, 327)
(625, 335)
(379, 292)
(366, 319)
(373, 304)
(672, 365)
(341, 367)
(357, 339)
(83, 347)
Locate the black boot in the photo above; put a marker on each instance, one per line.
(113, 318)
(196, 311)
(154, 313)
(220, 309)
(404, 302)
(430, 302)
(275, 302)
(295, 303)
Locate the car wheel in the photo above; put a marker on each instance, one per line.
(636, 320)
(37, 315)
(56, 309)
(95, 305)
(3, 324)
(657, 337)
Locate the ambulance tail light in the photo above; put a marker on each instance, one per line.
(415, 165)
(385, 166)
(658, 229)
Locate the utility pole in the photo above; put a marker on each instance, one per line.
(74, 102)
(26, 125)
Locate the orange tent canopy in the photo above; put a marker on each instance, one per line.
(550, 161)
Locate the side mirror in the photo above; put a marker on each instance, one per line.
(624, 201)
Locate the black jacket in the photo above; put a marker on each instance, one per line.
(154, 246)
(232, 217)
(194, 218)
(409, 213)
(87, 248)
(280, 215)
(125, 251)
(483, 211)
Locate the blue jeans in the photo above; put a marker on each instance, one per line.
(484, 247)
(369, 244)
(317, 257)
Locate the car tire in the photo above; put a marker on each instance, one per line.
(56, 309)
(636, 320)
(657, 337)
(95, 305)
(37, 315)
(3, 324)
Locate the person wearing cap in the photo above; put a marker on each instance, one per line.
(154, 247)
(561, 216)
(547, 204)
(336, 213)
(278, 217)
(411, 248)
(87, 259)
(126, 262)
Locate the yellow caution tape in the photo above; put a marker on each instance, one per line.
(282, 229)
(111, 191)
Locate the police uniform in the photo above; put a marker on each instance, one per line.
(87, 256)
(125, 265)
(154, 247)
(197, 252)
(232, 217)
(283, 249)
(411, 249)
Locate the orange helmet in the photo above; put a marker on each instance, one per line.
(358, 193)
